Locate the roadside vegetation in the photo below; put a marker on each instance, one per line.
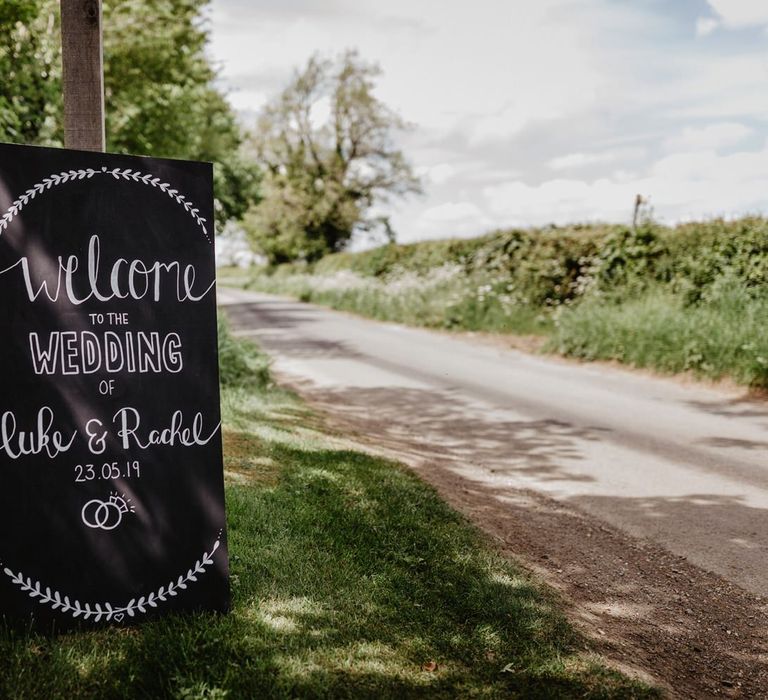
(350, 578)
(690, 298)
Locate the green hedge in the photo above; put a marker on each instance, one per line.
(551, 266)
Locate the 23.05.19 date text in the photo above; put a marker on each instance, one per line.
(107, 471)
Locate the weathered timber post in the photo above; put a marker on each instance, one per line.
(83, 74)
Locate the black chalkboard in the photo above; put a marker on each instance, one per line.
(111, 480)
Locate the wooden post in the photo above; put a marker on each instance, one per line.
(83, 74)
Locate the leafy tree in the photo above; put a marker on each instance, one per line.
(30, 66)
(326, 144)
(161, 97)
(160, 92)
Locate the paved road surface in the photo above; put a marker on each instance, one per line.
(684, 466)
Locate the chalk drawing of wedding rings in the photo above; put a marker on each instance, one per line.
(106, 515)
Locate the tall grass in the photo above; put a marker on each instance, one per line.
(722, 336)
(444, 298)
(241, 364)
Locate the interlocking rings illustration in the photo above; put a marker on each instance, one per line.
(105, 515)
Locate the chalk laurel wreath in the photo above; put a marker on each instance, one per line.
(86, 173)
(107, 611)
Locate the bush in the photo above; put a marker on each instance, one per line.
(241, 363)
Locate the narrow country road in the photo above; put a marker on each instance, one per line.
(643, 500)
(684, 466)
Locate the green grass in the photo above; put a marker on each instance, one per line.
(723, 336)
(350, 578)
(444, 298)
(241, 365)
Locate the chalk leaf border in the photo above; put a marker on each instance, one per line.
(108, 611)
(56, 179)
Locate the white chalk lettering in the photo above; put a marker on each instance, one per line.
(128, 421)
(73, 352)
(135, 279)
(17, 443)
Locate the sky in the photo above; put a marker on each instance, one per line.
(537, 112)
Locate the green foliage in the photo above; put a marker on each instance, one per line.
(161, 98)
(157, 81)
(445, 298)
(241, 363)
(160, 95)
(701, 254)
(349, 574)
(30, 93)
(324, 176)
(515, 274)
(723, 335)
(629, 257)
(236, 186)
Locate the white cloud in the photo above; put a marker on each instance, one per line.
(706, 25)
(559, 201)
(452, 211)
(320, 112)
(446, 64)
(581, 160)
(712, 136)
(461, 219)
(247, 100)
(703, 84)
(437, 174)
(741, 13)
(681, 186)
(465, 171)
(556, 110)
(488, 174)
(733, 169)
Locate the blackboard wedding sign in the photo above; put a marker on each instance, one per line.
(111, 480)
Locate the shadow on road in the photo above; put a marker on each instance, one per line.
(747, 406)
(271, 314)
(423, 422)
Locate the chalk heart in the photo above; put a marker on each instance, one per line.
(119, 617)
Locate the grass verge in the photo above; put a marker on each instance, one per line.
(722, 337)
(350, 578)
